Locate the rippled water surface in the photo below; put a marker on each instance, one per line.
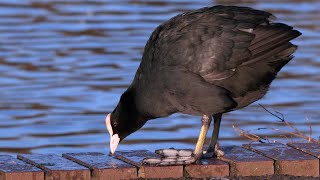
(64, 65)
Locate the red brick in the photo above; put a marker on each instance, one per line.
(14, 169)
(288, 160)
(57, 167)
(207, 168)
(103, 166)
(246, 163)
(147, 171)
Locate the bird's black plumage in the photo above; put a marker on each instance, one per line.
(208, 61)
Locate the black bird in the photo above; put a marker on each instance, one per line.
(204, 62)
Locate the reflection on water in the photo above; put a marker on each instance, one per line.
(64, 64)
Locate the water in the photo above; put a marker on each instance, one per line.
(64, 65)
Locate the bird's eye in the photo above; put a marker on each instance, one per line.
(115, 124)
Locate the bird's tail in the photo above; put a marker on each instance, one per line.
(273, 42)
(271, 50)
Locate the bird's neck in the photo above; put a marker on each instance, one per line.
(128, 100)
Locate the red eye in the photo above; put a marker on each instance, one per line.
(115, 124)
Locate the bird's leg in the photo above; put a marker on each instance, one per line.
(213, 149)
(176, 156)
(198, 151)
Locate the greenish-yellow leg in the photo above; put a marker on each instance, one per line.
(198, 151)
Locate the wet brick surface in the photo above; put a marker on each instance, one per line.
(148, 171)
(207, 168)
(103, 166)
(12, 169)
(57, 167)
(246, 163)
(288, 160)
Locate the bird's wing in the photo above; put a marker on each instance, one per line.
(213, 42)
(172, 84)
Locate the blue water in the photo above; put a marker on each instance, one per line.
(64, 65)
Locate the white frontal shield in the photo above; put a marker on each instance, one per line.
(114, 138)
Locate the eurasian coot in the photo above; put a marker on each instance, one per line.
(204, 62)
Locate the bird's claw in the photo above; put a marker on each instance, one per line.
(216, 152)
(174, 152)
(171, 157)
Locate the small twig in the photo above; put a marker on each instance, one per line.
(290, 140)
(295, 133)
(301, 135)
(248, 135)
(310, 128)
(281, 119)
(266, 138)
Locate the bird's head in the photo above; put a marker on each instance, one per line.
(124, 120)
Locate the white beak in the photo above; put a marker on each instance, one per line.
(114, 138)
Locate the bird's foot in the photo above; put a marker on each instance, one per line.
(213, 152)
(172, 157)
